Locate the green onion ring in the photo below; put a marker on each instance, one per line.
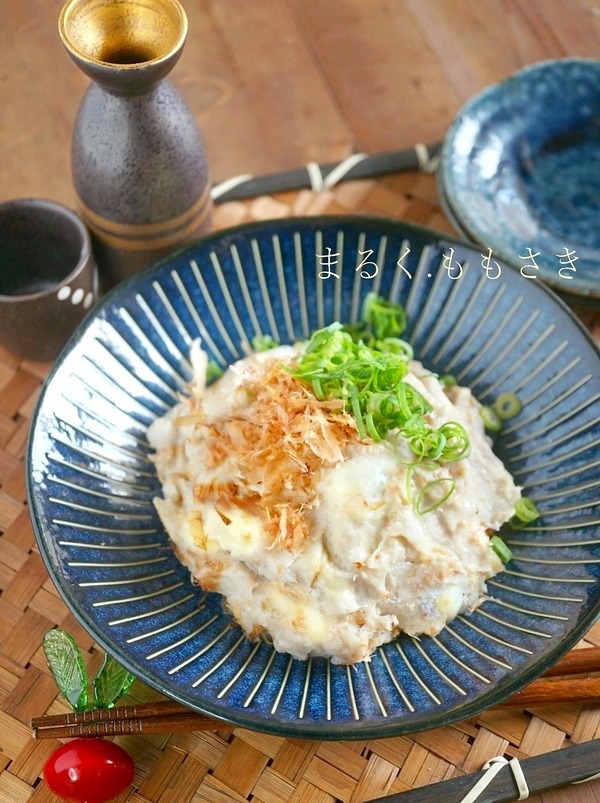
(507, 406)
(418, 506)
(501, 549)
(490, 419)
(526, 511)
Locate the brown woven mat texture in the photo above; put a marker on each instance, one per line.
(232, 764)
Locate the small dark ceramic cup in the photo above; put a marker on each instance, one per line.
(48, 278)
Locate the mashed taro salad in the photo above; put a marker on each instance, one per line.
(336, 492)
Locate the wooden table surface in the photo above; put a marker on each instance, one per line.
(274, 84)
(278, 83)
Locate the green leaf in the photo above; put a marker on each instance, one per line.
(67, 667)
(111, 683)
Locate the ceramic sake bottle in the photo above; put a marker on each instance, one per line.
(138, 159)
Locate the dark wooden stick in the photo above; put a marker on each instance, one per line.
(542, 773)
(373, 165)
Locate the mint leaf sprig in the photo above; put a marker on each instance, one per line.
(66, 666)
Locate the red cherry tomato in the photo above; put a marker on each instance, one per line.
(89, 770)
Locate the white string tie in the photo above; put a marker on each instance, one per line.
(493, 767)
(342, 169)
(585, 780)
(427, 163)
(220, 189)
(315, 177)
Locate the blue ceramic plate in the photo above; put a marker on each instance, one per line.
(91, 480)
(520, 169)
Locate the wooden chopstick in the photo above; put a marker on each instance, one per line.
(160, 717)
(560, 684)
(548, 692)
(576, 662)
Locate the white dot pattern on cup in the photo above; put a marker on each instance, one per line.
(76, 296)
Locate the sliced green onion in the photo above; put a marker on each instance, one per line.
(526, 511)
(356, 412)
(384, 318)
(501, 549)
(448, 380)
(394, 345)
(263, 343)
(411, 401)
(318, 389)
(365, 366)
(213, 371)
(372, 427)
(427, 491)
(427, 443)
(457, 444)
(382, 322)
(382, 405)
(490, 419)
(507, 406)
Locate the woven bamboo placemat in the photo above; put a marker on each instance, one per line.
(232, 764)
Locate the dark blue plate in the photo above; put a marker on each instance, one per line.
(520, 169)
(91, 480)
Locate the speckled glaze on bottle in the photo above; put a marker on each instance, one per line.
(138, 159)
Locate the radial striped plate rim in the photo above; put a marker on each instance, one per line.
(369, 728)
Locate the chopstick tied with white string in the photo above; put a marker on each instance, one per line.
(505, 780)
